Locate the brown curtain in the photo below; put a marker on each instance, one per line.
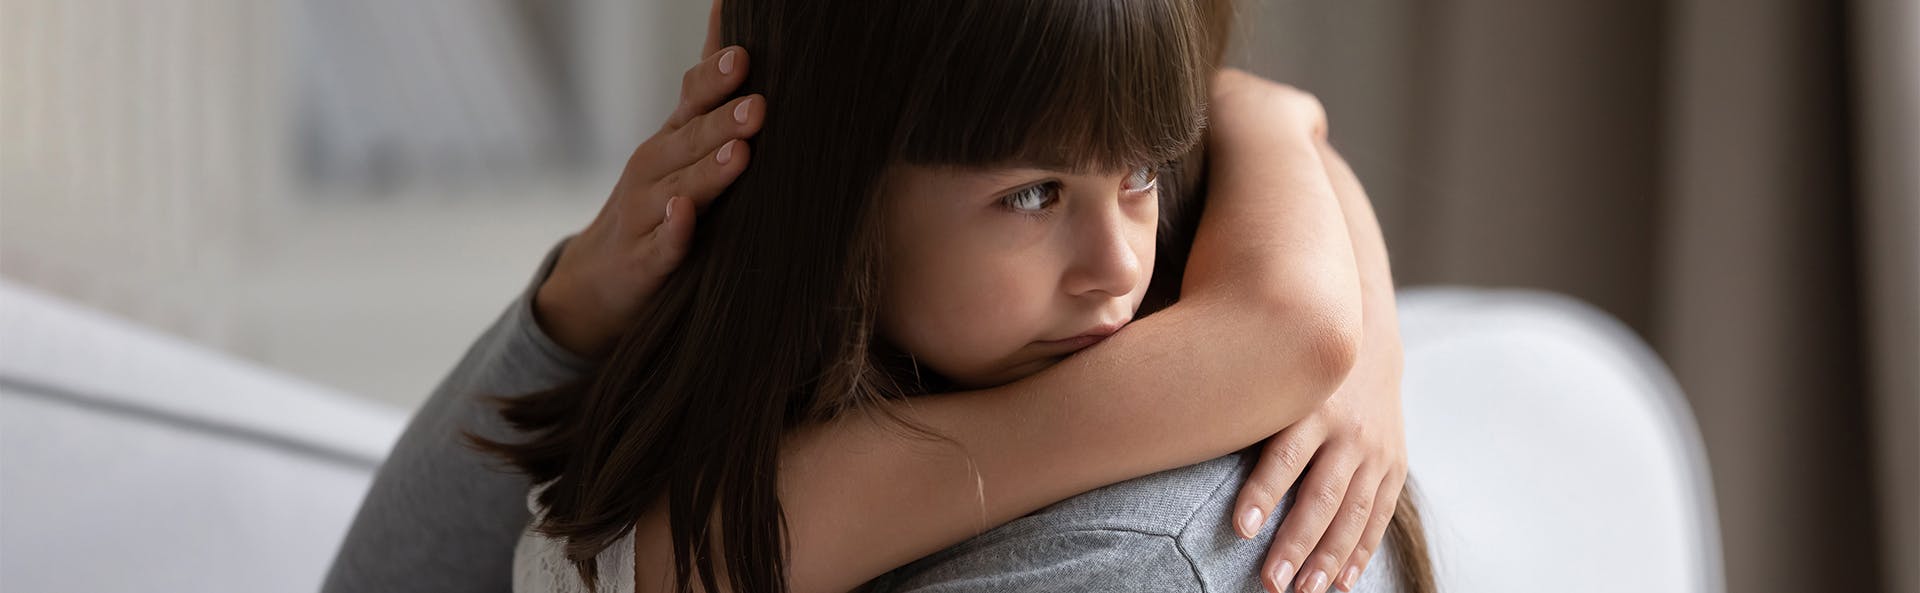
(1733, 179)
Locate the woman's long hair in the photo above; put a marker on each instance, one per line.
(770, 320)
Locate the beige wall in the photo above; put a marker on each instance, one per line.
(149, 169)
(137, 135)
(1888, 45)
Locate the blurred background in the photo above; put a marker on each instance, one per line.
(349, 191)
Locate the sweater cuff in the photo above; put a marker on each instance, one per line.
(527, 328)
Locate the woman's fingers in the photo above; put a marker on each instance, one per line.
(1324, 566)
(696, 184)
(702, 181)
(708, 83)
(634, 243)
(1282, 459)
(700, 138)
(1387, 500)
(693, 156)
(1314, 507)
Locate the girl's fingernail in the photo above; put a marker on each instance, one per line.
(1250, 522)
(1346, 580)
(1315, 583)
(726, 62)
(670, 209)
(726, 152)
(1281, 576)
(740, 111)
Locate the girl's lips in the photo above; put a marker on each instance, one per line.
(1075, 343)
(1085, 339)
(1099, 331)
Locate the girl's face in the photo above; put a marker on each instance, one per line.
(989, 269)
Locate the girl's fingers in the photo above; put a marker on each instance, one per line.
(1355, 567)
(1314, 507)
(703, 180)
(677, 149)
(1282, 459)
(708, 83)
(1336, 545)
(1389, 499)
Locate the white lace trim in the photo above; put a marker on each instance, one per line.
(540, 563)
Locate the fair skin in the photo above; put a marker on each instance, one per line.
(1356, 439)
(844, 534)
(989, 268)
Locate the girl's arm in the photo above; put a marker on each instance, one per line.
(1266, 328)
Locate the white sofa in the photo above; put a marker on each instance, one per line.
(1553, 450)
(134, 461)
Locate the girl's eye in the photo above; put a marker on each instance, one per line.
(1143, 179)
(1033, 201)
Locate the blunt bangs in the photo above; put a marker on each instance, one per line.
(1075, 85)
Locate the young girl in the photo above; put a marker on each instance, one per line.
(949, 196)
(888, 244)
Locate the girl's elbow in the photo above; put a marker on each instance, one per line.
(1329, 331)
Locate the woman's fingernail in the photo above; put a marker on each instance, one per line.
(670, 208)
(1316, 583)
(726, 62)
(1282, 575)
(1249, 522)
(740, 111)
(1346, 580)
(726, 152)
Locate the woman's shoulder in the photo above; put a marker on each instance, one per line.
(1141, 522)
(1174, 503)
(1185, 512)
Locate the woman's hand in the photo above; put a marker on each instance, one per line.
(1355, 441)
(605, 274)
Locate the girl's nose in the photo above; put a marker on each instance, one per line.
(1104, 259)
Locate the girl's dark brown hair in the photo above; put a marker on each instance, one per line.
(770, 320)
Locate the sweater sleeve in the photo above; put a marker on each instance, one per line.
(440, 517)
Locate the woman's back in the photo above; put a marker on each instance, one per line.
(1164, 532)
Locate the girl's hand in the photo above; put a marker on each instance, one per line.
(1357, 444)
(606, 273)
(1356, 440)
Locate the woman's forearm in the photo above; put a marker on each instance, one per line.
(1265, 330)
